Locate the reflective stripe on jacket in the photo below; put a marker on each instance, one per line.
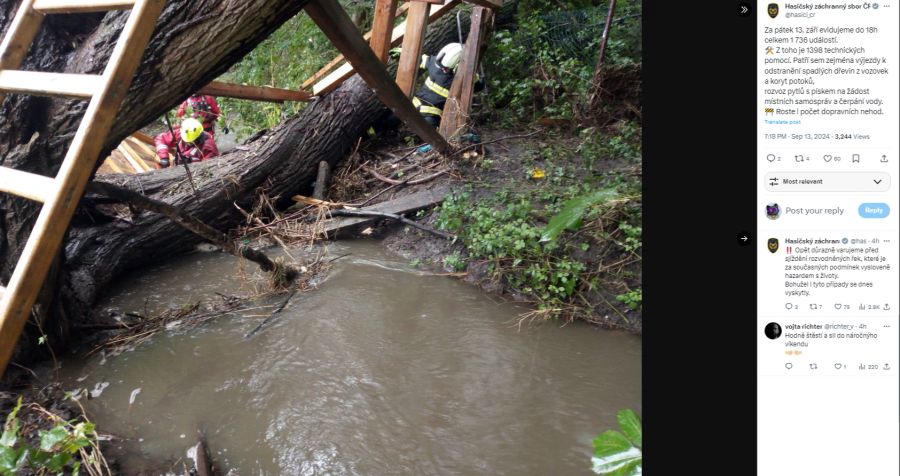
(437, 86)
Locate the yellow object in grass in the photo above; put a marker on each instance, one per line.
(538, 174)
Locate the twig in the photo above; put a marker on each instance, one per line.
(274, 312)
(472, 146)
(373, 197)
(362, 213)
(190, 223)
(407, 181)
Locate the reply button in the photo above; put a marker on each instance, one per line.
(874, 210)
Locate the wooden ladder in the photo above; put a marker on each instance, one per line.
(60, 195)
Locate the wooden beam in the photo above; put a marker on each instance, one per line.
(81, 6)
(416, 20)
(456, 111)
(492, 4)
(338, 27)
(340, 58)
(254, 93)
(405, 204)
(78, 86)
(143, 138)
(18, 37)
(338, 76)
(26, 184)
(50, 227)
(382, 27)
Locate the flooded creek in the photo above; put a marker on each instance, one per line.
(381, 370)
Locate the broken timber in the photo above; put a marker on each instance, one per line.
(337, 26)
(382, 24)
(254, 93)
(398, 206)
(416, 21)
(336, 77)
(456, 111)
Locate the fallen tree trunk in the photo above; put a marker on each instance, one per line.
(34, 133)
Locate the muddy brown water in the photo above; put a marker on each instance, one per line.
(381, 370)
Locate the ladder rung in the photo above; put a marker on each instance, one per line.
(81, 86)
(25, 184)
(81, 6)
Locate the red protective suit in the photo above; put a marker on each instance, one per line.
(203, 148)
(205, 109)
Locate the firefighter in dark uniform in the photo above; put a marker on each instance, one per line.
(432, 96)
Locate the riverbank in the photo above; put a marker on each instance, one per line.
(509, 189)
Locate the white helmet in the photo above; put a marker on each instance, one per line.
(449, 55)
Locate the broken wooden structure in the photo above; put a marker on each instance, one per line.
(134, 155)
(61, 195)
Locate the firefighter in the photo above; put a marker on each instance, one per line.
(431, 97)
(194, 144)
(204, 108)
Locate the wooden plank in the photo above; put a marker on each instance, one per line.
(81, 6)
(410, 57)
(338, 27)
(133, 157)
(405, 204)
(18, 37)
(333, 80)
(492, 4)
(254, 93)
(25, 184)
(45, 239)
(382, 28)
(140, 136)
(321, 73)
(110, 165)
(79, 86)
(456, 111)
(145, 152)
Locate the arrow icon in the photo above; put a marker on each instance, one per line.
(877, 181)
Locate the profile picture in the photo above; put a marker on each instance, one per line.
(773, 10)
(772, 244)
(773, 211)
(773, 330)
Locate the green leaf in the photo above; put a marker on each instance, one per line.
(573, 211)
(612, 452)
(630, 424)
(59, 461)
(11, 459)
(11, 428)
(50, 439)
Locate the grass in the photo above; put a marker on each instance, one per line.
(600, 250)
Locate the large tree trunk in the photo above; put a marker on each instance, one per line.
(195, 41)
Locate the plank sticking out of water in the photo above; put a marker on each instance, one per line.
(405, 204)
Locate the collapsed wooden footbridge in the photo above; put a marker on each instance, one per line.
(105, 93)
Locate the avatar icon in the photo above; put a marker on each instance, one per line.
(773, 330)
(772, 244)
(773, 10)
(773, 211)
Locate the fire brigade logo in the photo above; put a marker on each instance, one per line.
(773, 244)
(773, 10)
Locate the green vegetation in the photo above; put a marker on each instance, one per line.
(543, 68)
(550, 238)
(284, 60)
(60, 450)
(619, 453)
